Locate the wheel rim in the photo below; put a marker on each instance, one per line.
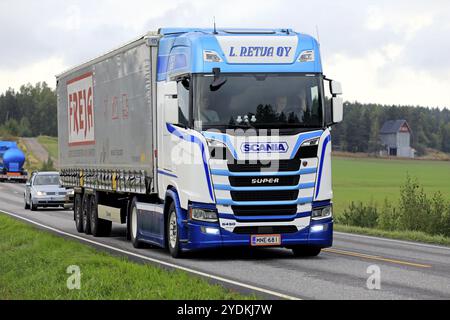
(173, 230)
(93, 214)
(134, 223)
(84, 211)
(78, 211)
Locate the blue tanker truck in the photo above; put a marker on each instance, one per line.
(12, 160)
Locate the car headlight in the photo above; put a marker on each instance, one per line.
(203, 215)
(70, 192)
(322, 213)
(41, 193)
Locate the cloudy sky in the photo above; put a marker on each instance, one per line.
(385, 51)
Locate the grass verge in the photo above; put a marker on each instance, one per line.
(33, 265)
(50, 144)
(31, 162)
(398, 235)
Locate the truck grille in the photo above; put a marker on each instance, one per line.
(264, 195)
(257, 166)
(248, 211)
(248, 181)
(265, 230)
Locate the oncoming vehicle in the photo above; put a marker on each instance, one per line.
(44, 189)
(201, 139)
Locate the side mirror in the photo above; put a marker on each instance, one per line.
(337, 105)
(335, 88)
(28, 184)
(218, 81)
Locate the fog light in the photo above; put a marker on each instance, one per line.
(212, 231)
(318, 228)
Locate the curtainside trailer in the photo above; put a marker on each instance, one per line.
(198, 138)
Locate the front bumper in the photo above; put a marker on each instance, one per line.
(50, 201)
(318, 234)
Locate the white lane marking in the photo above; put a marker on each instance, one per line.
(171, 265)
(392, 240)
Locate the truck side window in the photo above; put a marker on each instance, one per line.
(183, 104)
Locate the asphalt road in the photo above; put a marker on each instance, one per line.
(407, 270)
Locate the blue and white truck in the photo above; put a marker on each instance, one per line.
(203, 138)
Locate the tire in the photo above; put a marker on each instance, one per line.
(99, 227)
(33, 207)
(306, 251)
(77, 213)
(173, 233)
(85, 214)
(134, 223)
(27, 206)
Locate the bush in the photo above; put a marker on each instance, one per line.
(388, 217)
(415, 212)
(414, 206)
(48, 165)
(360, 215)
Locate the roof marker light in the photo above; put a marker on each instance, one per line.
(211, 56)
(307, 56)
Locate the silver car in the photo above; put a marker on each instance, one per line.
(44, 190)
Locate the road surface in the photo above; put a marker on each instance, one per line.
(407, 270)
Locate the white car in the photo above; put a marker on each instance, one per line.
(44, 190)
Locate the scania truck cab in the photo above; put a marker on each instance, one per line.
(245, 141)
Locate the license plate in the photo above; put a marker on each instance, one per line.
(266, 240)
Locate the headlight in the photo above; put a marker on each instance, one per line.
(311, 142)
(41, 193)
(322, 213)
(203, 215)
(70, 192)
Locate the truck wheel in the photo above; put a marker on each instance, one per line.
(27, 206)
(306, 251)
(85, 214)
(99, 227)
(77, 212)
(173, 234)
(134, 223)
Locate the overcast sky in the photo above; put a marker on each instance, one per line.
(391, 52)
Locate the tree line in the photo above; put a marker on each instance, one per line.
(31, 111)
(359, 132)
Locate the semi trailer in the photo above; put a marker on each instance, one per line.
(12, 160)
(203, 138)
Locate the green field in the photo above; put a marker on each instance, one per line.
(34, 264)
(366, 179)
(50, 144)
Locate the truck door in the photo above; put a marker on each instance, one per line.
(167, 114)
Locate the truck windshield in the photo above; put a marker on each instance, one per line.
(269, 101)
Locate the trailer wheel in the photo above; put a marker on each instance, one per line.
(173, 233)
(99, 227)
(134, 223)
(306, 251)
(85, 214)
(77, 212)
